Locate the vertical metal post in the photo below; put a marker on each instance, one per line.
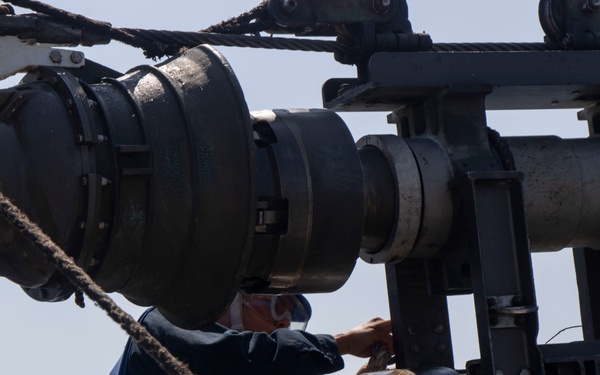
(501, 271)
(587, 261)
(587, 264)
(420, 322)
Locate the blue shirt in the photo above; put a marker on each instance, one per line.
(217, 350)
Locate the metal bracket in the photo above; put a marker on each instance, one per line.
(367, 26)
(271, 216)
(508, 311)
(18, 56)
(308, 16)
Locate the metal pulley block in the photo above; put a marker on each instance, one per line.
(314, 17)
(572, 24)
(366, 26)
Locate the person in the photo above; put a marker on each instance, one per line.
(254, 337)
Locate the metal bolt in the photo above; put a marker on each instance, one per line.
(382, 6)
(56, 56)
(76, 57)
(499, 372)
(494, 321)
(102, 225)
(81, 224)
(105, 181)
(411, 330)
(439, 329)
(288, 6)
(441, 347)
(84, 180)
(525, 371)
(519, 320)
(491, 302)
(569, 40)
(415, 348)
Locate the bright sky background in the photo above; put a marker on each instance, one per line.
(64, 339)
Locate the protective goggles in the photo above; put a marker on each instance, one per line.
(293, 308)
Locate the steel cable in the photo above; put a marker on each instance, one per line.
(158, 43)
(169, 41)
(494, 47)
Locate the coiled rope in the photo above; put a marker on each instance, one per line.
(67, 267)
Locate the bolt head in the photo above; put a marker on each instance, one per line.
(55, 56)
(288, 6)
(441, 347)
(76, 57)
(494, 321)
(569, 40)
(382, 6)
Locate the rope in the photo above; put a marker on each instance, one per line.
(83, 282)
(242, 24)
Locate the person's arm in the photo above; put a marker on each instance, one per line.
(359, 341)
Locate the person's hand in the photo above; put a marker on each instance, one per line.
(359, 341)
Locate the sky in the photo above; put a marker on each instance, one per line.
(61, 338)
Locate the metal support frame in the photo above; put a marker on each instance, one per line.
(587, 264)
(502, 275)
(443, 97)
(420, 321)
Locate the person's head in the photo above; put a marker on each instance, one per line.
(266, 313)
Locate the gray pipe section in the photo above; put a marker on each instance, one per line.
(562, 178)
(562, 181)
